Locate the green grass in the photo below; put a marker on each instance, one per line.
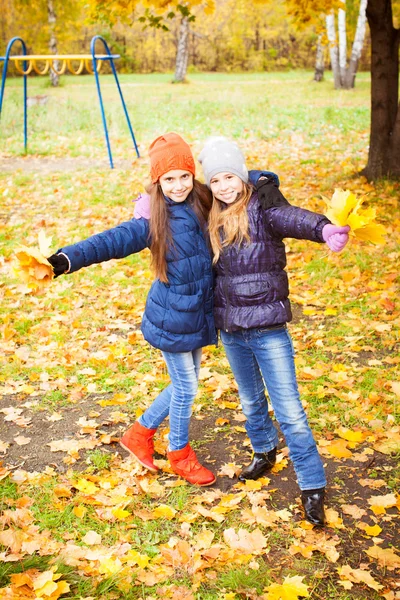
(240, 105)
(245, 579)
(98, 459)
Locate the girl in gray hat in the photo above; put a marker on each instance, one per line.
(251, 309)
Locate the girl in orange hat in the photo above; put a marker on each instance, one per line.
(178, 317)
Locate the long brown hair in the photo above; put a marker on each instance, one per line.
(229, 225)
(200, 199)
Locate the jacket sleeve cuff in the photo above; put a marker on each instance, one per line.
(321, 224)
(69, 262)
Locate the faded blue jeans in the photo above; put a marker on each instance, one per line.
(176, 400)
(267, 355)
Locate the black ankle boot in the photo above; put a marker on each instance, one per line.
(262, 463)
(313, 504)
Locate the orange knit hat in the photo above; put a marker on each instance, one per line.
(167, 153)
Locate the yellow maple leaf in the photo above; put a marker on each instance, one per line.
(350, 435)
(340, 206)
(339, 449)
(291, 589)
(345, 208)
(333, 519)
(134, 557)
(373, 530)
(86, 487)
(110, 566)
(79, 511)
(359, 576)
(32, 266)
(163, 511)
(386, 557)
(45, 585)
(279, 465)
(120, 513)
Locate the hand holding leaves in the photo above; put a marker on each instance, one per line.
(60, 264)
(336, 237)
(345, 209)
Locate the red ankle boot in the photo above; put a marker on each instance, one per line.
(184, 463)
(138, 440)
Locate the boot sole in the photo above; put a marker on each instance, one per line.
(205, 484)
(138, 459)
(244, 479)
(197, 484)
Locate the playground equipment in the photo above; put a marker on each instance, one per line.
(30, 62)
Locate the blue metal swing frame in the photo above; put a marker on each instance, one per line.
(108, 57)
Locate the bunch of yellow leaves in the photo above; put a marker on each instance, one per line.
(35, 584)
(345, 209)
(32, 267)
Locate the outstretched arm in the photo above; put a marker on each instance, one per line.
(294, 222)
(118, 242)
(302, 224)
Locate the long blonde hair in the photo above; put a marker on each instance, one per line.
(160, 233)
(229, 225)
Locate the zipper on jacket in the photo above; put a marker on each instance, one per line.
(226, 289)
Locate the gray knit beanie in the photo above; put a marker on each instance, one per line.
(220, 155)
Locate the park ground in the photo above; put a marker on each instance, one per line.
(80, 519)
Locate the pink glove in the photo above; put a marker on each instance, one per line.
(142, 207)
(335, 237)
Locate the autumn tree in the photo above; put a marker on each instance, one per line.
(384, 148)
(43, 24)
(156, 14)
(333, 15)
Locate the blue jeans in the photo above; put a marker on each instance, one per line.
(267, 355)
(176, 400)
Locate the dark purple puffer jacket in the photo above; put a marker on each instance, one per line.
(251, 284)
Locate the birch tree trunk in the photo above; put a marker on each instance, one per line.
(342, 45)
(182, 53)
(52, 18)
(319, 61)
(357, 45)
(333, 49)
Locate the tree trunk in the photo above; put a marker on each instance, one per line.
(333, 49)
(52, 18)
(342, 45)
(384, 148)
(357, 46)
(182, 53)
(319, 61)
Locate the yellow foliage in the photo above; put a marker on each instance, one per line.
(344, 208)
(339, 449)
(163, 511)
(373, 530)
(36, 584)
(33, 268)
(86, 487)
(359, 576)
(386, 557)
(291, 589)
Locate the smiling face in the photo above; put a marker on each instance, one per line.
(177, 184)
(226, 187)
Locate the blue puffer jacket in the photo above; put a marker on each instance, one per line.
(251, 285)
(179, 315)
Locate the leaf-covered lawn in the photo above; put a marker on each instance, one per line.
(80, 519)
